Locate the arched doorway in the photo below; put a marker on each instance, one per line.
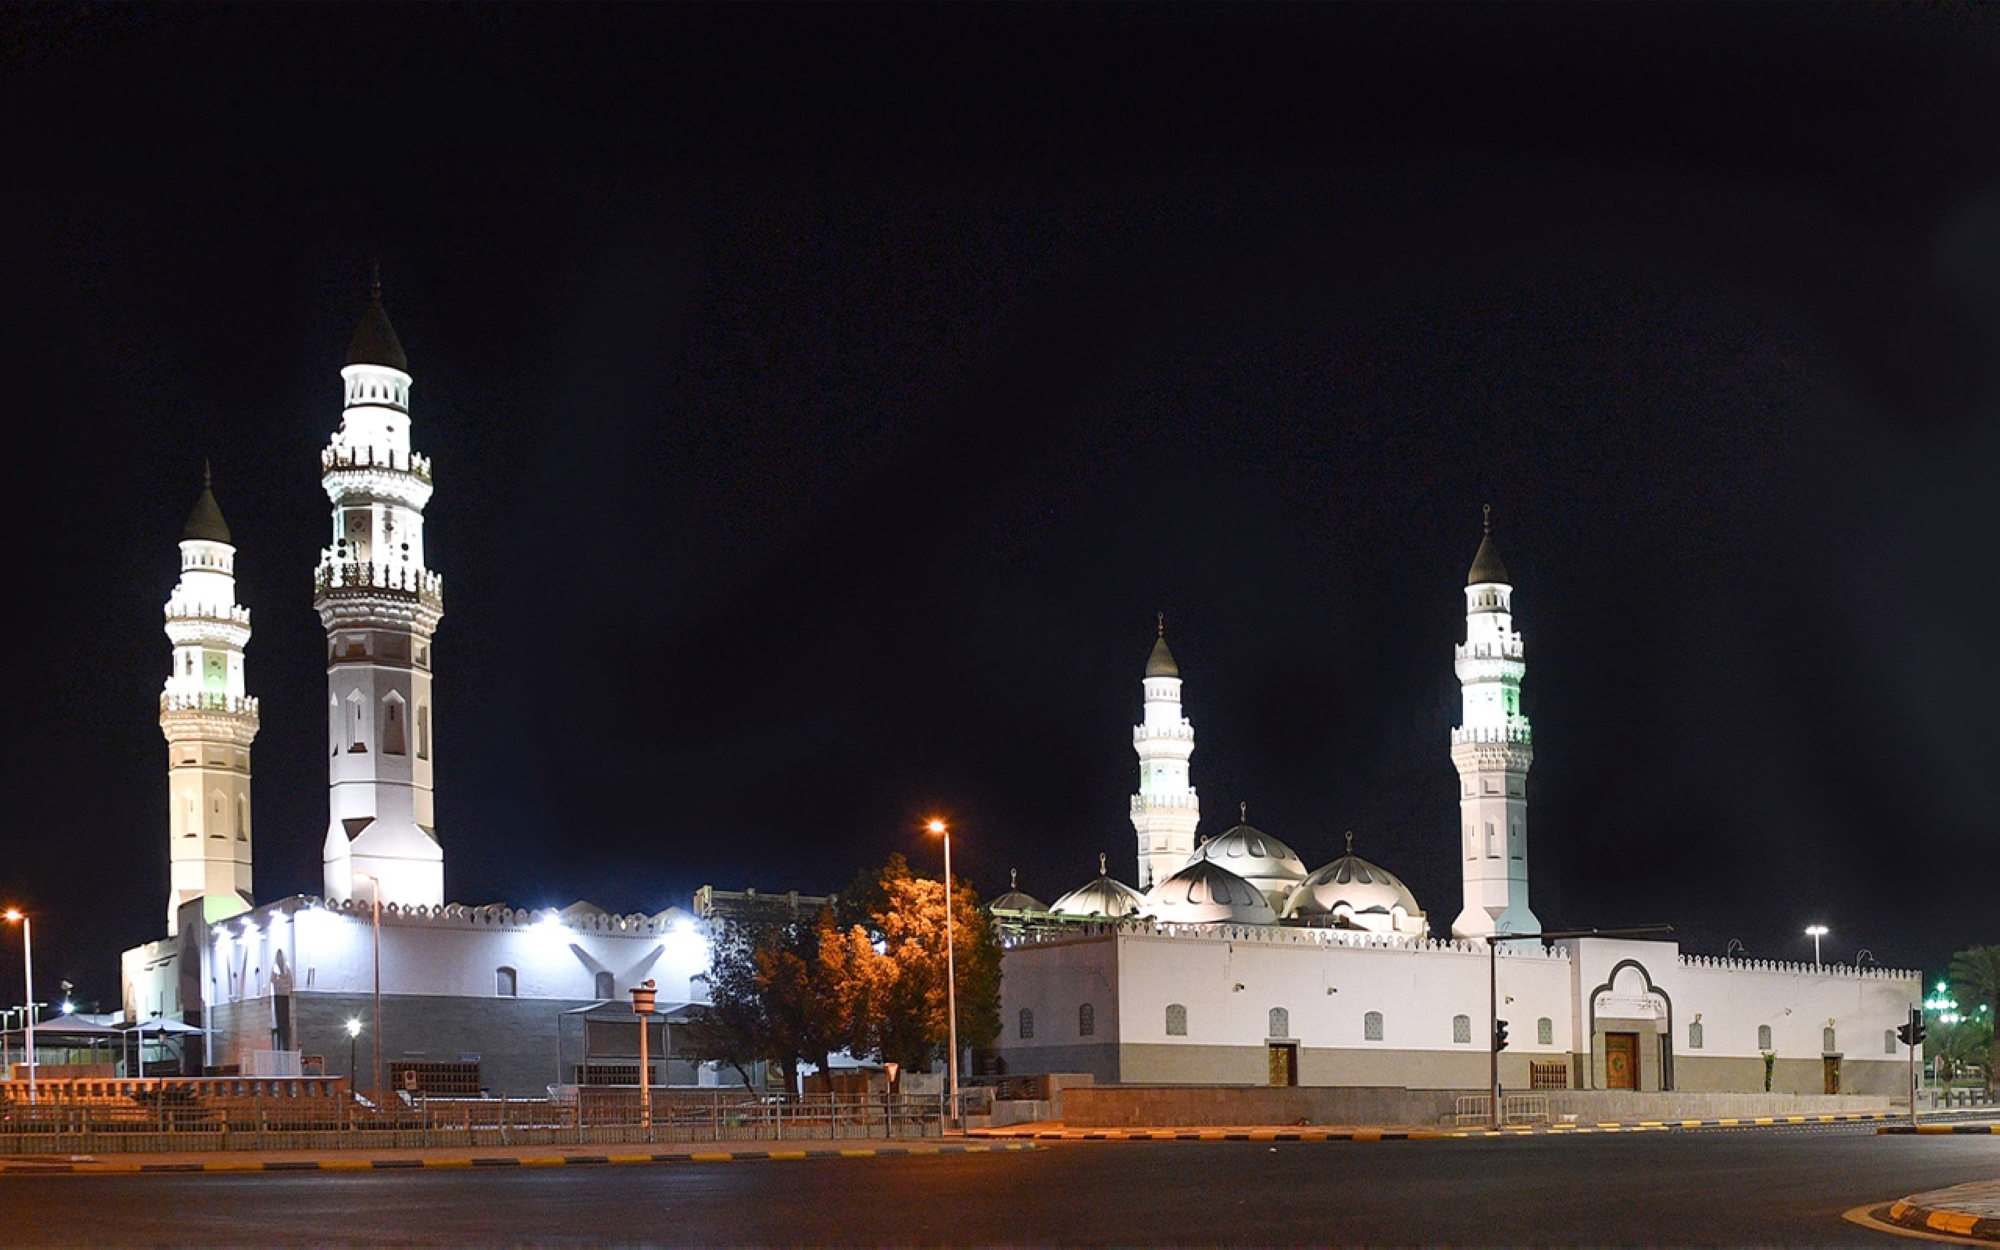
(1631, 1031)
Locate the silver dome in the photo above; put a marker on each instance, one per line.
(1101, 899)
(1205, 892)
(1015, 901)
(1352, 890)
(1258, 858)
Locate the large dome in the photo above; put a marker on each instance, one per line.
(1205, 892)
(1258, 858)
(1352, 892)
(1100, 899)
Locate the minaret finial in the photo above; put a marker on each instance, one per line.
(1163, 624)
(1013, 878)
(1486, 518)
(1242, 813)
(375, 279)
(207, 474)
(1103, 864)
(1350, 841)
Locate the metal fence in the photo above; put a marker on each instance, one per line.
(1475, 1109)
(591, 1116)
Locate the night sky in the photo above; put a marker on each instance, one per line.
(823, 402)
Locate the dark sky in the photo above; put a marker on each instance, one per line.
(823, 401)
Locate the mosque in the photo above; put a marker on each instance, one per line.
(1230, 963)
(377, 977)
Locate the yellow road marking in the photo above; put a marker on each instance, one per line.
(639, 1158)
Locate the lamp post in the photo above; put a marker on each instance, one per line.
(643, 997)
(375, 899)
(939, 829)
(27, 975)
(1815, 932)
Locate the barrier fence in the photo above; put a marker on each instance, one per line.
(1476, 1109)
(290, 1115)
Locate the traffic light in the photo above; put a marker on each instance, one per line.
(1912, 1034)
(1499, 1035)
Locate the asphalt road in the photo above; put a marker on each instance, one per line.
(1716, 1188)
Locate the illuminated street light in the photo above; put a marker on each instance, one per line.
(1815, 932)
(938, 829)
(353, 1032)
(13, 914)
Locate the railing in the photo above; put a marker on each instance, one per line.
(234, 705)
(226, 613)
(410, 462)
(1510, 733)
(1475, 1109)
(405, 579)
(590, 1116)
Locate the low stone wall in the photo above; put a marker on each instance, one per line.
(1133, 1106)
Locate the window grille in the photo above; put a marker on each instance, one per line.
(1371, 1027)
(1545, 1032)
(1176, 1020)
(1694, 1036)
(1027, 1024)
(1281, 1022)
(1461, 1029)
(1763, 1037)
(1086, 1020)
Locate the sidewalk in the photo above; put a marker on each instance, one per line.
(1056, 1131)
(1963, 1211)
(476, 1157)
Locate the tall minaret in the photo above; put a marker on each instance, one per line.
(380, 606)
(1165, 811)
(209, 724)
(1492, 751)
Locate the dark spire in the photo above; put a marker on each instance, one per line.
(1161, 662)
(1486, 566)
(205, 522)
(375, 341)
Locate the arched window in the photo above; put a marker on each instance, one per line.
(1763, 1037)
(506, 982)
(1086, 1021)
(1888, 1041)
(1027, 1023)
(1176, 1020)
(392, 724)
(242, 818)
(1545, 1032)
(606, 987)
(1371, 1027)
(357, 723)
(1281, 1022)
(1461, 1030)
(1826, 1040)
(1694, 1035)
(423, 731)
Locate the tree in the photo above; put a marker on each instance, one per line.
(1975, 981)
(890, 967)
(767, 995)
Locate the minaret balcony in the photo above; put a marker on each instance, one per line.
(345, 457)
(1492, 733)
(411, 580)
(227, 704)
(1507, 649)
(1182, 732)
(220, 613)
(1184, 801)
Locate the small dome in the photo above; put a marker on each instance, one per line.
(1205, 892)
(205, 523)
(1258, 858)
(1367, 895)
(1016, 901)
(1102, 899)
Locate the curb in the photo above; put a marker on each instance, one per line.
(1444, 1134)
(103, 1167)
(1943, 1130)
(1927, 1219)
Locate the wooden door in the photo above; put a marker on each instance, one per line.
(1284, 1057)
(1831, 1064)
(1621, 1061)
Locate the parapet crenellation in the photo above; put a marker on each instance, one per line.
(1791, 968)
(484, 916)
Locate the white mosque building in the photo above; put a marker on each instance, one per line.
(472, 998)
(1232, 963)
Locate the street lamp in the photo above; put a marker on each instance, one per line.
(353, 1032)
(939, 829)
(1815, 932)
(27, 975)
(643, 998)
(375, 898)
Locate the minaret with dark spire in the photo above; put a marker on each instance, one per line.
(1492, 749)
(209, 723)
(380, 605)
(1165, 811)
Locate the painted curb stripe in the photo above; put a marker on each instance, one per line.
(1942, 1130)
(484, 1161)
(1908, 1215)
